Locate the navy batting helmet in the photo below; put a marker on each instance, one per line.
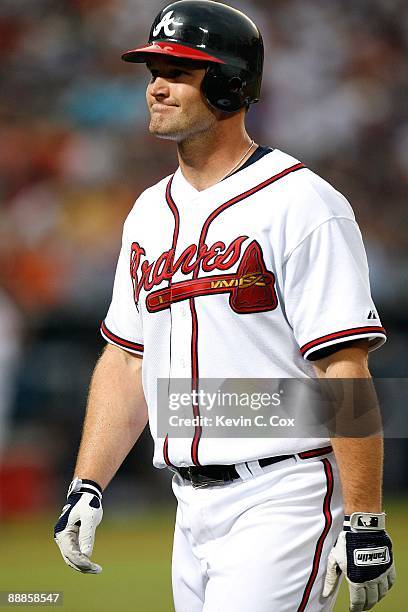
(212, 32)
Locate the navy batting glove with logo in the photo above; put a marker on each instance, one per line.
(363, 552)
(75, 529)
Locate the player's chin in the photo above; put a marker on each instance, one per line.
(165, 135)
(165, 132)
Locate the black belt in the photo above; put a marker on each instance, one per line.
(207, 475)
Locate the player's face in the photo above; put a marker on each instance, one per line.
(177, 107)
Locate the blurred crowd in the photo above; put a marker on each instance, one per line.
(75, 154)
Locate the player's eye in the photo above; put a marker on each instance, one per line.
(170, 74)
(177, 73)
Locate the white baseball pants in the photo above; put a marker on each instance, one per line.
(260, 543)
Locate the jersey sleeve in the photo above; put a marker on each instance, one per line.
(123, 323)
(327, 291)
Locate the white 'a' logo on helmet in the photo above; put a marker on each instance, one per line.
(165, 23)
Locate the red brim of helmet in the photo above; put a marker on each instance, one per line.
(141, 54)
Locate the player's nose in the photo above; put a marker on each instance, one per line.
(159, 88)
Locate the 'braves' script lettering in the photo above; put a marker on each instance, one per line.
(146, 274)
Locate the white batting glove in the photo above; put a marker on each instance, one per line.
(75, 530)
(363, 552)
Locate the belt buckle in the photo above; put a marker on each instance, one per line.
(201, 482)
(194, 478)
(197, 481)
(205, 483)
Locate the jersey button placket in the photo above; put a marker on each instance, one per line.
(189, 231)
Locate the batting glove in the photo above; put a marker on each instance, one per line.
(75, 530)
(363, 552)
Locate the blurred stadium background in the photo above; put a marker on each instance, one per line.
(74, 155)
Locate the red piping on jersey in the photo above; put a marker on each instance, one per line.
(166, 450)
(320, 542)
(120, 341)
(316, 452)
(354, 331)
(174, 210)
(176, 215)
(194, 382)
(246, 194)
(194, 337)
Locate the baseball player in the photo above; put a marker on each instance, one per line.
(242, 264)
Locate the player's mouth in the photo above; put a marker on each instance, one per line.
(160, 107)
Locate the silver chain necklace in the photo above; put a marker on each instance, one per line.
(240, 161)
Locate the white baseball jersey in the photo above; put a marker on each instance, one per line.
(245, 279)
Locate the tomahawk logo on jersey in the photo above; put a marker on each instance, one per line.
(246, 279)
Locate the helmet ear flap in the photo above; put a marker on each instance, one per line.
(224, 89)
(235, 85)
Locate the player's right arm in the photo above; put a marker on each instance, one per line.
(115, 417)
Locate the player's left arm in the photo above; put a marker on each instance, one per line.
(363, 551)
(360, 460)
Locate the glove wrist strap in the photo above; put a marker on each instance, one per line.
(84, 485)
(364, 521)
